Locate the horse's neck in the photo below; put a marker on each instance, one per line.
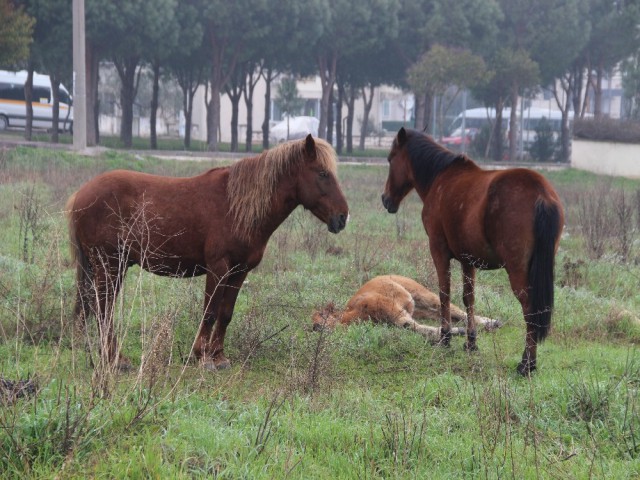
(439, 170)
(280, 208)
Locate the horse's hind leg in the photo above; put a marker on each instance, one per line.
(108, 277)
(520, 288)
(443, 268)
(468, 297)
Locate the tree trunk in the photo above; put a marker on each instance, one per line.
(213, 118)
(327, 65)
(419, 121)
(252, 79)
(351, 101)
(93, 112)
(513, 123)
(154, 105)
(597, 97)
(339, 119)
(497, 151)
(28, 98)
(368, 104)
(330, 119)
(234, 96)
(127, 72)
(55, 113)
(268, 78)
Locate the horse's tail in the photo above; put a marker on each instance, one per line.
(80, 259)
(546, 230)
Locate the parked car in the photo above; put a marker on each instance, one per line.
(299, 127)
(455, 141)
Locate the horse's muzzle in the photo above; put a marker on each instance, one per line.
(337, 223)
(388, 204)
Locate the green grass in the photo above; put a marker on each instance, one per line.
(364, 402)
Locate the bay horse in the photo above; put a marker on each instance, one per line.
(484, 219)
(215, 224)
(398, 301)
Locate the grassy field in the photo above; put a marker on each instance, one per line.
(364, 402)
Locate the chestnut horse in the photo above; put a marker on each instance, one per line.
(215, 224)
(485, 219)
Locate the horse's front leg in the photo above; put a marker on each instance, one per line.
(221, 294)
(443, 268)
(468, 297)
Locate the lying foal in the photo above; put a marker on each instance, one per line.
(397, 301)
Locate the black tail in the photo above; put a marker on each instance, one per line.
(546, 230)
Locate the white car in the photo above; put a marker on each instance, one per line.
(299, 127)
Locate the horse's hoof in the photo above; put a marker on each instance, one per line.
(470, 347)
(222, 363)
(124, 365)
(445, 338)
(208, 365)
(213, 365)
(526, 368)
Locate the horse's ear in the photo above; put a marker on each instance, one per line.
(310, 147)
(402, 136)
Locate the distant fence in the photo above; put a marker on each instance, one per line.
(606, 158)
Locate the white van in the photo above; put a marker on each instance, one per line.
(476, 118)
(13, 108)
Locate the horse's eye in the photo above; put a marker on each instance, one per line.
(323, 173)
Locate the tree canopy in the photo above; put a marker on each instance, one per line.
(16, 30)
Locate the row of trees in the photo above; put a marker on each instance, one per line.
(500, 49)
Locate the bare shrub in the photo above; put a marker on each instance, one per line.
(637, 208)
(367, 255)
(311, 366)
(32, 226)
(624, 232)
(265, 429)
(256, 333)
(573, 273)
(595, 219)
(403, 437)
(314, 239)
(156, 355)
(32, 296)
(590, 399)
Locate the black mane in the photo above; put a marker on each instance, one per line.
(428, 158)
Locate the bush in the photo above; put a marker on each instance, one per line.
(607, 129)
(543, 147)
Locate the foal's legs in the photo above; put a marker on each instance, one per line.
(468, 297)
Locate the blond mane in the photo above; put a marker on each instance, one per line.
(253, 181)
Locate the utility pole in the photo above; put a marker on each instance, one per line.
(79, 78)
